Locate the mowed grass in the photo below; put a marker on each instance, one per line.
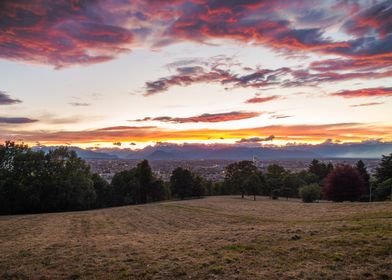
(210, 238)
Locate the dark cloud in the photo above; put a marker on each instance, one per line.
(5, 99)
(218, 71)
(64, 33)
(117, 144)
(281, 116)
(366, 104)
(375, 18)
(256, 139)
(60, 33)
(210, 118)
(223, 71)
(7, 120)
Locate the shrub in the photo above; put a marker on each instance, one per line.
(344, 183)
(310, 193)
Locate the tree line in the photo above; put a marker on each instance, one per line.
(320, 180)
(34, 182)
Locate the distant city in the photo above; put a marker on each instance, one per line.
(213, 170)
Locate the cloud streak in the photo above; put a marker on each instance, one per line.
(205, 118)
(366, 104)
(5, 99)
(13, 120)
(294, 133)
(262, 99)
(365, 92)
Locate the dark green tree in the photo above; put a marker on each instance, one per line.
(274, 180)
(253, 185)
(145, 177)
(384, 170)
(103, 190)
(126, 187)
(291, 184)
(181, 183)
(156, 190)
(383, 190)
(320, 169)
(236, 174)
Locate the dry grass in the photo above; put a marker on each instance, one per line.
(211, 238)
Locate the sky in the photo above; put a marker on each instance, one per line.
(123, 73)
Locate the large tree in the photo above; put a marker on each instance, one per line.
(253, 185)
(237, 173)
(181, 182)
(344, 183)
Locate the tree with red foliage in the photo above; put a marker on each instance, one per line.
(344, 183)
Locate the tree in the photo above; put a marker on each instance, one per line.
(291, 184)
(69, 185)
(126, 187)
(156, 190)
(274, 179)
(344, 183)
(236, 174)
(198, 186)
(181, 182)
(320, 169)
(383, 190)
(365, 176)
(310, 193)
(253, 185)
(103, 190)
(145, 177)
(384, 170)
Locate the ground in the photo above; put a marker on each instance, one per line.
(210, 238)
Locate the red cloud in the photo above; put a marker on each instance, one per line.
(64, 33)
(60, 33)
(207, 118)
(365, 92)
(262, 99)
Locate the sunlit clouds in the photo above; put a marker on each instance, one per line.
(131, 73)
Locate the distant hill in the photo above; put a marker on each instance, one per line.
(83, 153)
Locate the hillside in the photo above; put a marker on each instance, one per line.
(211, 238)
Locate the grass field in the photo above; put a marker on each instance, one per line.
(211, 238)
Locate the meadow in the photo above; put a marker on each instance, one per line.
(211, 238)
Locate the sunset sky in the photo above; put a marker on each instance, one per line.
(131, 73)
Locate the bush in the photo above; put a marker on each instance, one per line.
(310, 193)
(344, 183)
